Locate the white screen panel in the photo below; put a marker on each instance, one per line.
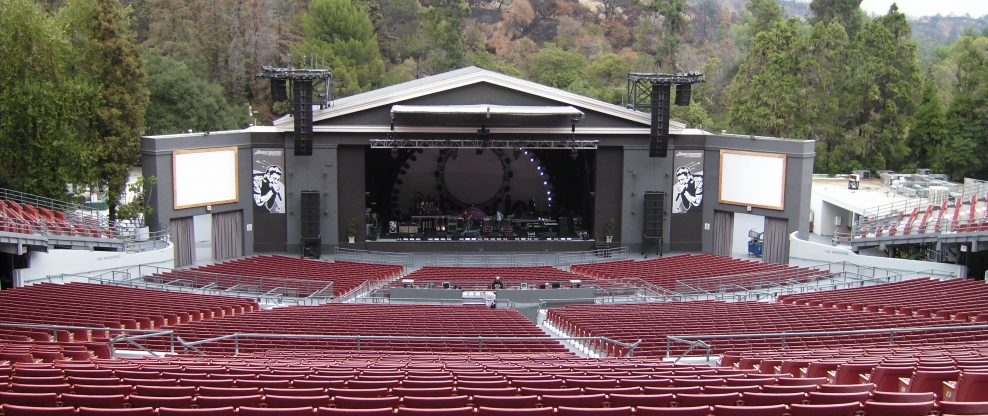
(205, 177)
(753, 179)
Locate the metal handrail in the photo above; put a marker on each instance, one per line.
(603, 255)
(144, 333)
(52, 204)
(374, 257)
(236, 337)
(691, 339)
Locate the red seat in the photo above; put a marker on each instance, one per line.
(40, 388)
(775, 410)
(269, 391)
(888, 397)
(672, 411)
(134, 411)
(478, 391)
(789, 389)
(585, 400)
(29, 399)
(358, 392)
(285, 402)
(839, 409)
(887, 378)
(165, 391)
(423, 391)
(846, 388)
(228, 391)
(590, 411)
(835, 398)
(123, 389)
(687, 400)
(792, 381)
(971, 387)
(635, 400)
(366, 402)
(14, 410)
(435, 402)
(513, 402)
(768, 399)
(963, 408)
(113, 401)
(262, 411)
(875, 408)
(137, 400)
(332, 411)
(497, 411)
(454, 411)
(931, 381)
(219, 411)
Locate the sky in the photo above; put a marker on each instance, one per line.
(917, 8)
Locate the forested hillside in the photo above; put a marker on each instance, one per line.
(875, 92)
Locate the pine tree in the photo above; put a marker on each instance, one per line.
(929, 132)
(442, 25)
(110, 59)
(968, 114)
(847, 12)
(883, 92)
(340, 33)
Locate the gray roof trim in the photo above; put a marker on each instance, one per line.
(507, 130)
(463, 77)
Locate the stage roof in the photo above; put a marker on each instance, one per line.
(488, 110)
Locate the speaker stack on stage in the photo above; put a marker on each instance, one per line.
(310, 227)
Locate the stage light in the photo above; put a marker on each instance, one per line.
(532, 160)
(541, 174)
(545, 182)
(538, 167)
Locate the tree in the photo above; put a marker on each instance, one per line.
(824, 69)
(442, 25)
(968, 114)
(766, 91)
(883, 89)
(557, 68)
(183, 99)
(929, 132)
(847, 12)
(673, 13)
(764, 13)
(44, 105)
(110, 59)
(341, 34)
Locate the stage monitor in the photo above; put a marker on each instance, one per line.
(204, 177)
(753, 179)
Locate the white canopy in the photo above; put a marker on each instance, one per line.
(488, 110)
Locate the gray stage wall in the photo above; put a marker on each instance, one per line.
(624, 172)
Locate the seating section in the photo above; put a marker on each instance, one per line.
(361, 383)
(695, 272)
(373, 320)
(961, 215)
(24, 218)
(960, 299)
(653, 322)
(477, 278)
(98, 306)
(301, 277)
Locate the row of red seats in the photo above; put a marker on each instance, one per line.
(345, 275)
(102, 306)
(959, 299)
(963, 213)
(25, 218)
(653, 322)
(668, 272)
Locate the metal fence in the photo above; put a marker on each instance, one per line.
(374, 257)
(561, 259)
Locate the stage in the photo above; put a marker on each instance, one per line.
(438, 246)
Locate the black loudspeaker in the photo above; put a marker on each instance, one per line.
(654, 213)
(279, 90)
(683, 92)
(302, 113)
(658, 144)
(309, 209)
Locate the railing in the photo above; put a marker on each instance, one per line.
(374, 257)
(597, 342)
(118, 335)
(702, 341)
(601, 255)
(136, 243)
(55, 205)
(486, 260)
(280, 290)
(880, 215)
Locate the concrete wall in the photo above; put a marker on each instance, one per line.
(79, 262)
(805, 253)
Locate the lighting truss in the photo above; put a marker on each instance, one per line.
(640, 86)
(436, 143)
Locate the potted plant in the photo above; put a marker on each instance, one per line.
(137, 211)
(610, 229)
(351, 231)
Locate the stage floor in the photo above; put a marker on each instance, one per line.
(433, 246)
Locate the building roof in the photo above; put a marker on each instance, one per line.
(468, 76)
